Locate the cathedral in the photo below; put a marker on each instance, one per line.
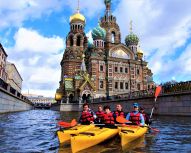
(104, 67)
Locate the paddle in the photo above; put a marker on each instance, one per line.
(123, 120)
(66, 124)
(157, 92)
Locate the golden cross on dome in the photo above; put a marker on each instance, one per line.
(131, 26)
(78, 8)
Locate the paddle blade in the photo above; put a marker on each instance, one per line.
(154, 129)
(73, 122)
(122, 120)
(157, 92)
(66, 124)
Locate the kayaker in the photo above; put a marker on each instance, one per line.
(87, 117)
(118, 112)
(99, 114)
(108, 116)
(135, 116)
(145, 115)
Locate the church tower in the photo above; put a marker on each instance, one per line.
(108, 22)
(76, 43)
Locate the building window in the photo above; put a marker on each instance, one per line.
(113, 37)
(101, 67)
(101, 84)
(121, 85)
(148, 86)
(138, 86)
(138, 72)
(116, 85)
(121, 69)
(126, 70)
(78, 40)
(116, 69)
(126, 86)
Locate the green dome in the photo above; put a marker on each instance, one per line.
(98, 33)
(107, 1)
(131, 39)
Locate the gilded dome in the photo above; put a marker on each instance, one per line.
(140, 51)
(131, 39)
(98, 33)
(77, 17)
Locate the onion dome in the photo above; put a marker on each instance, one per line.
(107, 1)
(139, 54)
(58, 96)
(98, 33)
(77, 17)
(131, 39)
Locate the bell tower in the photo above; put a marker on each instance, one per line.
(108, 22)
(76, 43)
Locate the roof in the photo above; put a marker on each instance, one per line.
(1, 47)
(9, 63)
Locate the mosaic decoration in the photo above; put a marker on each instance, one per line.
(68, 84)
(120, 54)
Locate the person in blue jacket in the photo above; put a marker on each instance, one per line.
(135, 116)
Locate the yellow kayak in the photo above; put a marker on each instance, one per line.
(92, 137)
(65, 135)
(130, 133)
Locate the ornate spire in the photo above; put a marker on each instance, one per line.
(78, 7)
(131, 27)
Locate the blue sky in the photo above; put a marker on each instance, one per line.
(33, 34)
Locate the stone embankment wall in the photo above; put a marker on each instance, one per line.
(11, 100)
(174, 99)
(167, 104)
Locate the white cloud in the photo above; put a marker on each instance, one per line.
(89, 8)
(13, 13)
(163, 27)
(31, 41)
(35, 58)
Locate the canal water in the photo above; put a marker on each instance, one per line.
(35, 132)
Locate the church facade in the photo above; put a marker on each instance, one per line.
(103, 68)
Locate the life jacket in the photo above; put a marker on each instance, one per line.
(135, 118)
(108, 118)
(86, 117)
(119, 113)
(100, 115)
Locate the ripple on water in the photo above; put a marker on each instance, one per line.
(35, 132)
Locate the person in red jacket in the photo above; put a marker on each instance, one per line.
(118, 112)
(87, 116)
(145, 115)
(135, 116)
(108, 116)
(99, 114)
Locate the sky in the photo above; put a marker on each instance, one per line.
(33, 34)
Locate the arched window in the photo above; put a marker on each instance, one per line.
(75, 27)
(71, 41)
(138, 86)
(78, 40)
(97, 43)
(78, 27)
(113, 37)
